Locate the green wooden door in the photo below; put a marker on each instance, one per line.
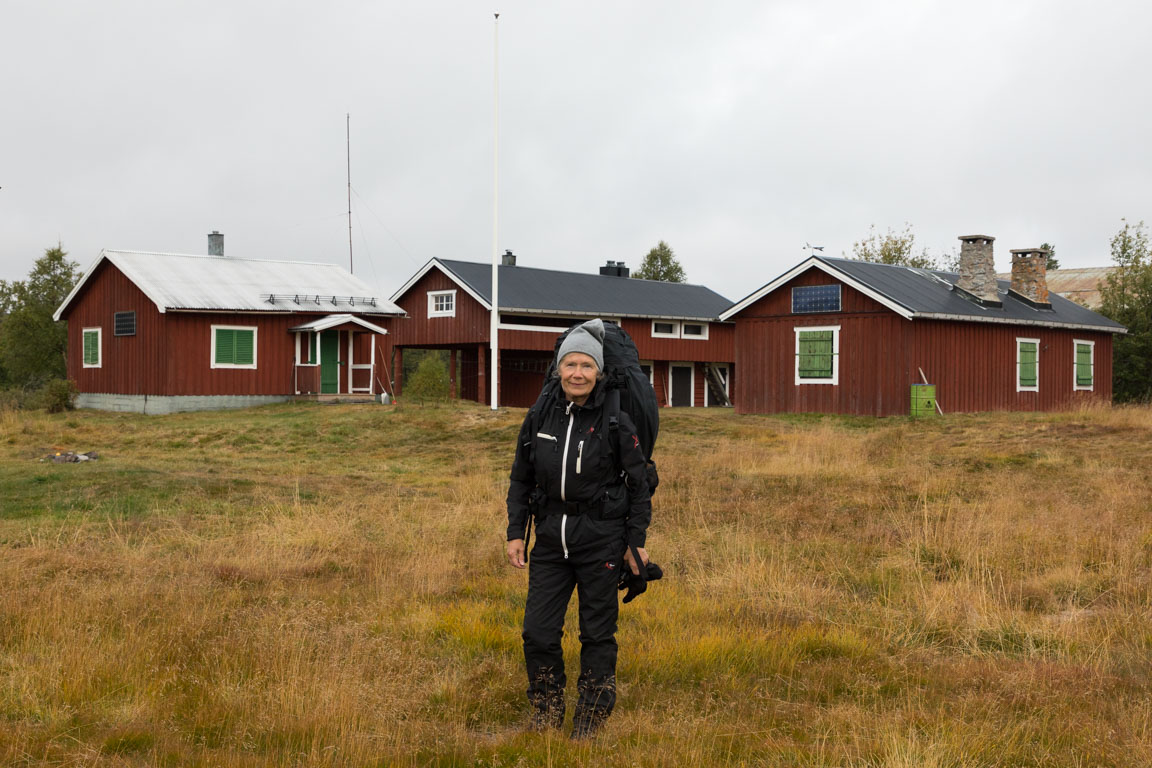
(329, 368)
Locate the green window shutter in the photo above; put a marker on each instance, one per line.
(1083, 365)
(245, 351)
(1027, 364)
(816, 354)
(225, 346)
(91, 348)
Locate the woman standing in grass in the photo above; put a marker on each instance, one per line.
(589, 510)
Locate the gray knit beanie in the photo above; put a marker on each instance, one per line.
(587, 338)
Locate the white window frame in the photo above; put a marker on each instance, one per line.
(691, 382)
(433, 312)
(99, 347)
(702, 337)
(835, 379)
(1092, 348)
(300, 347)
(1019, 340)
(255, 346)
(675, 330)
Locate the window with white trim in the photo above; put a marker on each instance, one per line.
(442, 303)
(817, 354)
(233, 346)
(92, 346)
(665, 329)
(1027, 365)
(307, 342)
(1083, 364)
(694, 331)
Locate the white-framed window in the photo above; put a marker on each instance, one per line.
(442, 303)
(694, 331)
(665, 329)
(1027, 365)
(233, 346)
(308, 348)
(817, 354)
(92, 347)
(1083, 364)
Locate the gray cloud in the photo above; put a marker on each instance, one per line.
(736, 131)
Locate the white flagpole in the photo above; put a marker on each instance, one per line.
(494, 324)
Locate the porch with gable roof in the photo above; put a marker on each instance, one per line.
(319, 368)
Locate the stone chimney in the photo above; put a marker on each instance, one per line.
(1030, 275)
(215, 244)
(508, 259)
(978, 270)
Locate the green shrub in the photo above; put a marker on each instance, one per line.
(430, 382)
(56, 396)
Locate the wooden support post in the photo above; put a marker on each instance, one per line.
(397, 371)
(452, 374)
(481, 377)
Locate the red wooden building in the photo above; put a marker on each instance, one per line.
(157, 333)
(846, 336)
(686, 351)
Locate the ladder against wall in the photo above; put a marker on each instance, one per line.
(716, 386)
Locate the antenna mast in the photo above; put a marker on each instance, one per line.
(348, 139)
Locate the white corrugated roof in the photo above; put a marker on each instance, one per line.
(331, 321)
(181, 281)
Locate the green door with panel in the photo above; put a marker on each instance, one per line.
(329, 367)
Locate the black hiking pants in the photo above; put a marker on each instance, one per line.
(595, 557)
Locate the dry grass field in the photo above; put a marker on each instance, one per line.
(325, 585)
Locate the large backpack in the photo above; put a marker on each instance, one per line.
(627, 389)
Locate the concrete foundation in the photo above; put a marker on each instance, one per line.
(158, 404)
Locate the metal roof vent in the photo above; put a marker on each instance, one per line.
(216, 244)
(508, 259)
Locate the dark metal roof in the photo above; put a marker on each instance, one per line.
(554, 292)
(930, 293)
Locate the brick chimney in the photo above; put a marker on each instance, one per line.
(215, 244)
(1030, 275)
(978, 270)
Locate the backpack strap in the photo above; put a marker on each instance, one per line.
(611, 415)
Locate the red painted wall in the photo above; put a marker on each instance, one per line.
(973, 365)
(171, 352)
(129, 364)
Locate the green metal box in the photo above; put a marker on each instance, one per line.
(923, 399)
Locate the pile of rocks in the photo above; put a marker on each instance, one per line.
(70, 457)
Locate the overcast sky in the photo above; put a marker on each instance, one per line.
(735, 130)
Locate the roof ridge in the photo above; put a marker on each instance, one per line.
(571, 272)
(219, 258)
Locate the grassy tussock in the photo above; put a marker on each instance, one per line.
(306, 585)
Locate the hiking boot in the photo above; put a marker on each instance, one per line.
(543, 719)
(586, 728)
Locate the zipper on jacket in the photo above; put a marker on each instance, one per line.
(579, 455)
(564, 482)
(564, 534)
(564, 458)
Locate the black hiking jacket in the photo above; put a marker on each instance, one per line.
(567, 459)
